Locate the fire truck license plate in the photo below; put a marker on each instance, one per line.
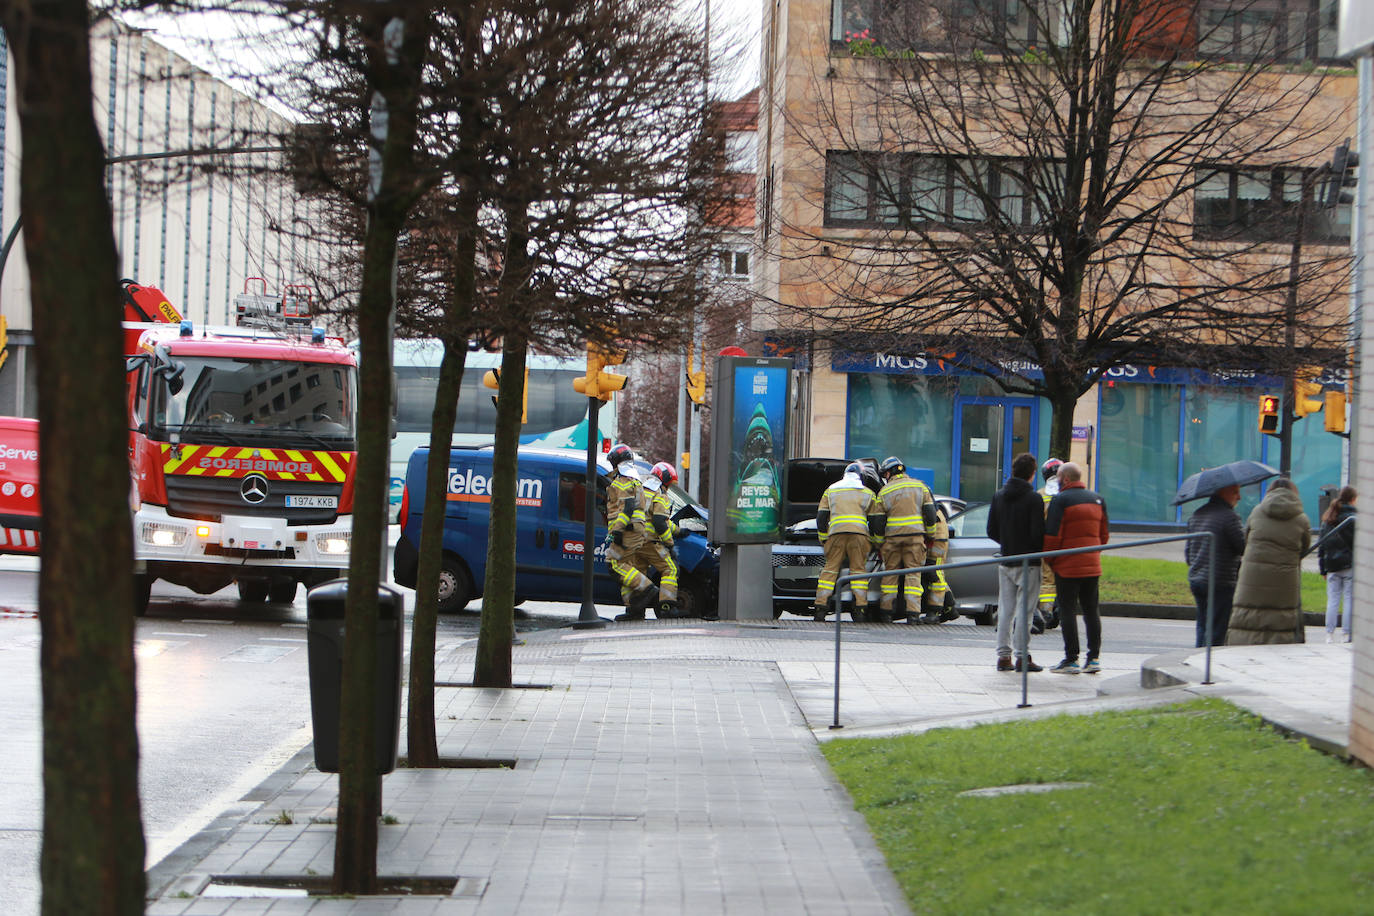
(312, 502)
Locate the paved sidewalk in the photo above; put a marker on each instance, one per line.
(676, 768)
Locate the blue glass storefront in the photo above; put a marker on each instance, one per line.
(1155, 426)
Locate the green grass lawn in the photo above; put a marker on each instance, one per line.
(1194, 808)
(1139, 581)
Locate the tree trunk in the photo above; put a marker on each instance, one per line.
(93, 846)
(493, 668)
(1062, 404)
(422, 748)
(393, 192)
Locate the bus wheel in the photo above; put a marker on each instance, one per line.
(455, 585)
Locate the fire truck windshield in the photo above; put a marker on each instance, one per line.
(267, 402)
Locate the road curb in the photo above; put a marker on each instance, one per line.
(1172, 670)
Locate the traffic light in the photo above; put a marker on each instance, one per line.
(696, 380)
(4, 340)
(598, 383)
(1269, 415)
(1335, 411)
(492, 380)
(1341, 174)
(1307, 392)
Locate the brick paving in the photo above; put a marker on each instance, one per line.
(664, 769)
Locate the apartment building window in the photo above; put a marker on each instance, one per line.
(734, 265)
(868, 189)
(1268, 30)
(1260, 204)
(935, 25)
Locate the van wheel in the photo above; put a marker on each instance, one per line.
(281, 591)
(455, 586)
(692, 600)
(143, 590)
(254, 590)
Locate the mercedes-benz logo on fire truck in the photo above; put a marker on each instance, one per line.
(254, 489)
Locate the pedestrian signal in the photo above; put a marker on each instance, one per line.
(1335, 412)
(1269, 414)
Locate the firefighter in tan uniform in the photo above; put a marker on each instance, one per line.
(842, 524)
(625, 513)
(909, 514)
(657, 550)
(936, 588)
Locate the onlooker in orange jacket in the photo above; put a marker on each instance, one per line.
(1077, 517)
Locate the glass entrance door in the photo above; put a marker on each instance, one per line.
(990, 432)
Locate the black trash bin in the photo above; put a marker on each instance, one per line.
(1324, 501)
(325, 642)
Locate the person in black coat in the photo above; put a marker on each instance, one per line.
(1016, 521)
(1217, 515)
(1336, 562)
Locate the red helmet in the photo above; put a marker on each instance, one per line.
(619, 455)
(665, 472)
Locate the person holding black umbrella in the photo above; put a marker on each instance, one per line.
(1217, 516)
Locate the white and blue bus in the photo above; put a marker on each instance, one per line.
(556, 415)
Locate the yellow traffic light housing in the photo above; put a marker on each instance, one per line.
(1335, 411)
(696, 380)
(4, 339)
(598, 383)
(1307, 394)
(492, 379)
(1269, 414)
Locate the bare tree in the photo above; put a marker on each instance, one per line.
(1046, 186)
(93, 845)
(597, 178)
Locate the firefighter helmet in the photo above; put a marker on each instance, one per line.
(854, 468)
(619, 455)
(665, 472)
(891, 465)
(1051, 468)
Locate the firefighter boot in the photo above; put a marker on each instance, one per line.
(879, 615)
(667, 609)
(639, 602)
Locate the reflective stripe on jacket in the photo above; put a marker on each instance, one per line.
(903, 500)
(848, 508)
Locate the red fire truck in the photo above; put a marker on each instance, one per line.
(242, 450)
(19, 510)
(241, 453)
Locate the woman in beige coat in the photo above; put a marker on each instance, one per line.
(1267, 602)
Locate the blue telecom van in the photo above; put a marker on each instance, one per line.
(550, 494)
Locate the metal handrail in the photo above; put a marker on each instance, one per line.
(1023, 612)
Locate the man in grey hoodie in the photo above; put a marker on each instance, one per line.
(1016, 521)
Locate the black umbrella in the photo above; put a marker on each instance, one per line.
(1238, 473)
